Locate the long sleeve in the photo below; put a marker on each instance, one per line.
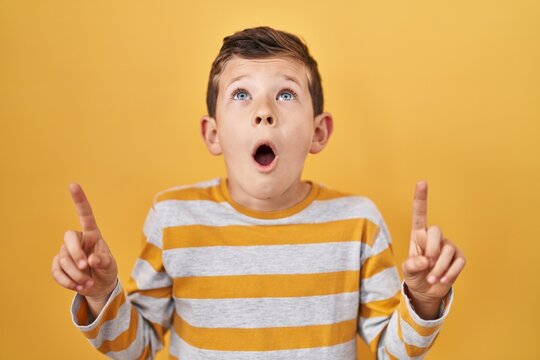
(134, 321)
(387, 321)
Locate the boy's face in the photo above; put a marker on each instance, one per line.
(265, 102)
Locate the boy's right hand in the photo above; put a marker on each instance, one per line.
(84, 262)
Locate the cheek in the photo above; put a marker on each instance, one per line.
(234, 141)
(299, 142)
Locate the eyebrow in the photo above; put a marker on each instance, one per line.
(284, 76)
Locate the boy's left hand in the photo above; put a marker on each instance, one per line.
(434, 262)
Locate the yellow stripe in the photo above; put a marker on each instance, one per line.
(380, 307)
(201, 235)
(246, 286)
(158, 329)
(192, 193)
(82, 312)
(112, 311)
(374, 344)
(412, 350)
(312, 195)
(124, 340)
(369, 233)
(326, 193)
(213, 194)
(160, 332)
(392, 357)
(377, 263)
(144, 353)
(152, 254)
(163, 292)
(265, 339)
(407, 317)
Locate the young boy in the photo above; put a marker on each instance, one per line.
(260, 264)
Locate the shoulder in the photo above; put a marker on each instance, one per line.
(347, 205)
(186, 204)
(203, 190)
(355, 205)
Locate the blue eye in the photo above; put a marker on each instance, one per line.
(288, 94)
(239, 94)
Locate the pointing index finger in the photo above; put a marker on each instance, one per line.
(419, 219)
(86, 216)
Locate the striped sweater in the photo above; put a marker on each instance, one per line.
(231, 283)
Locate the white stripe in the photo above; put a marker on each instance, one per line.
(369, 328)
(147, 278)
(211, 213)
(268, 312)
(263, 259)
(183, 350)
(380, 286)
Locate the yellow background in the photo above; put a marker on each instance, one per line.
(109, 94)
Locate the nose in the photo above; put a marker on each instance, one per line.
(264, 114)
(263, 118)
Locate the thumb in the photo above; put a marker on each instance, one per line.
(100, 261)
(414, 265)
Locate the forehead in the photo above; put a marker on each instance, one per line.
(274, 68)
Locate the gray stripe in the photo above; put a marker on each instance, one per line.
(156, 310)
(114, 327)
(411, 337)
(263, 259)
(147, 278)
(429, 323)
(393, 343)
(380, 286)
(369, 328)
(182, 350)
(210, 213)
(268, 312)
(152, 229)
(76, 303)
(136, 346)
(380, 244)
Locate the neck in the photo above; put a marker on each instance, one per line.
(291, 196)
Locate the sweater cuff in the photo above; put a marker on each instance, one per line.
(80, 312)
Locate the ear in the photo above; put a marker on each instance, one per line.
(209, 132)
(324, 125)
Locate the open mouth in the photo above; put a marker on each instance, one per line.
(265, 155)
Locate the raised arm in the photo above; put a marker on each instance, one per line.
(122, 324)
(84, 262)
(434, 262)
(393, 322)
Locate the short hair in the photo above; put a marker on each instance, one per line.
(264, 42)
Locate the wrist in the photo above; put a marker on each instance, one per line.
(420, 297)
(97, 302)
(426, 307)
(102, 295)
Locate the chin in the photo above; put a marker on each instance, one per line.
(266, 187)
